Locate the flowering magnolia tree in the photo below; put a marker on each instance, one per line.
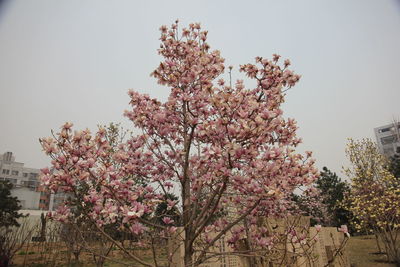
(374, 197)
(310, 203)
(225, 150)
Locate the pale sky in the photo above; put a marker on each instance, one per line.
(75, 61)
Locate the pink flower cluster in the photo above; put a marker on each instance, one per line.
(100, 180)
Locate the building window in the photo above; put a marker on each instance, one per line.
(7, 156)
(33, 175)
(384, 130)
(25, 174)
(15, 173)
(388, 139)
(387, 129)
(5, 171)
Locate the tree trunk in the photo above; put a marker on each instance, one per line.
(377, 243)
(76, 255)
(251, 260)
(188, 259)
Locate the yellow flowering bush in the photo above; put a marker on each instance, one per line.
(374, 197)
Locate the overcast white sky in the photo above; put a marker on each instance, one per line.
(75, 61)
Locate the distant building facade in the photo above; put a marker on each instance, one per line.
(388, 139)
(26, 185)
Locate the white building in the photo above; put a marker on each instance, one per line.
(25, 181)
(388, 139)
(26, 185)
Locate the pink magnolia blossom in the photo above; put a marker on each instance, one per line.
(344, 229)
(167, 220)
(137, 228)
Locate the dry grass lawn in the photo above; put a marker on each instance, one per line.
(363, 252)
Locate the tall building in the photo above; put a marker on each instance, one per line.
(25, 183)
(388, 139)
